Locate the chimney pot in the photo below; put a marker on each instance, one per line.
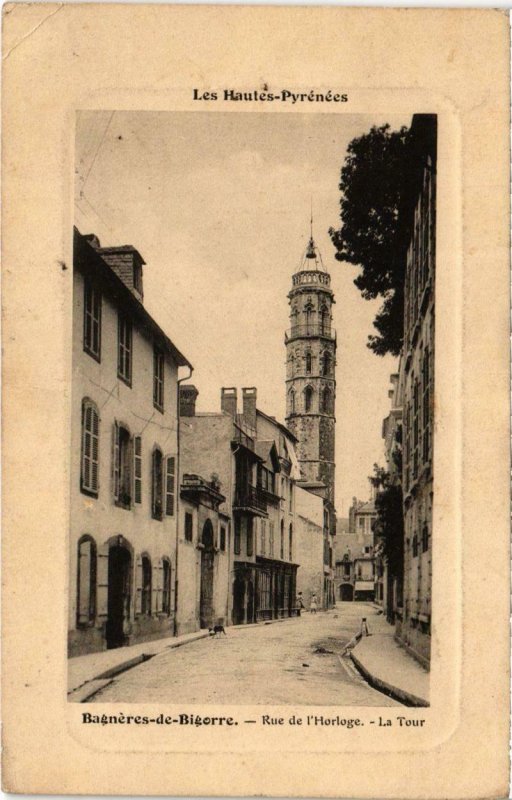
(249, 395)
(188, 396)
(228, 400)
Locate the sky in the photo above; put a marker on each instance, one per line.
(218, 204)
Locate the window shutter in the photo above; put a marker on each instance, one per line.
(115, 461)
(137, 468)
(138, 586)
(95, 425)
(158, 587)
(102, 583)
(169, 486)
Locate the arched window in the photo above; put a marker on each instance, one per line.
(146, 586)
(166, 586)
(290, 542)
(282, 539)
(324, 319)
(309, 362)
(309, 310)
(326, 363)
(156, 484)
(326, 400)
(292, 401)
(308, 398)
(86, 582)
(89, 470)
(291, 362)
(122, 466)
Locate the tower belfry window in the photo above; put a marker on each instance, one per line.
(308, 398)
(309, 362)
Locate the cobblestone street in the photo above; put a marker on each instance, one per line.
(264, 664)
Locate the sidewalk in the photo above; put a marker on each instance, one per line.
(89, 673)
(388, 667)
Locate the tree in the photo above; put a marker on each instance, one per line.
(373, 181)
(389, 525)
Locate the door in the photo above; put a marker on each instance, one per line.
(206, 607)
(119, 573)
(238, 601)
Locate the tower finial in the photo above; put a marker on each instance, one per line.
(311, 219)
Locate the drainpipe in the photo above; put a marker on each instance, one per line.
(178, 496)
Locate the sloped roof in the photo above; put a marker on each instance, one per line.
(266, 449)
(88, 261)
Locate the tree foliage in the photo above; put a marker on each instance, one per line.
(373, 180)
(389, 525)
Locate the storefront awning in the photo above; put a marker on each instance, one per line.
(364, 586)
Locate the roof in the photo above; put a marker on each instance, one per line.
(267, 451)
(367, 508)
(287, 432)
(89, 262)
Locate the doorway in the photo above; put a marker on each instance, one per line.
(206, 609)
(346, 591)
(239, 601)
(119, 585)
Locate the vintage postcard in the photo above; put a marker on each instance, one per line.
(255, 272)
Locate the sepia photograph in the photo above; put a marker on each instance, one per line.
(256, 407)
(252, 408)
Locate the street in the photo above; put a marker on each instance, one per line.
(263, 664)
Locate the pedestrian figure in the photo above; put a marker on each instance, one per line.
(300, 603)
(313, 604)
(364, 627)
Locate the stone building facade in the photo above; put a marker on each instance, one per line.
(355, 553)
(419, 223)
(124, 445)
(251, 458)
(311, 391)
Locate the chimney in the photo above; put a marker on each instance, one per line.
(188, 396)
(249, 406)
(228, 400)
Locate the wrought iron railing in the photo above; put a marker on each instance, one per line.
(250, 498)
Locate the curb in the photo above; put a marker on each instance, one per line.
(401, 695)
(89, 688)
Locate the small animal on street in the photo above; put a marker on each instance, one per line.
(323, 650)
(352, 643)
(217, 629)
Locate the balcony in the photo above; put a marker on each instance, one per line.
(250, 499)
(306, 331)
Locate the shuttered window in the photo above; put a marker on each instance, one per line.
(89, 472)
(86, 582)
(166, 587)
(169, 486)
(137, 469)
(122, 466)
(158, 379)
(157, 478)
(92, 321)
(223, 539)
(146, 586)
(124, 349)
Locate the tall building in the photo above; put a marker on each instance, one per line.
(311, 389)
(124, 456)
(419, 221)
